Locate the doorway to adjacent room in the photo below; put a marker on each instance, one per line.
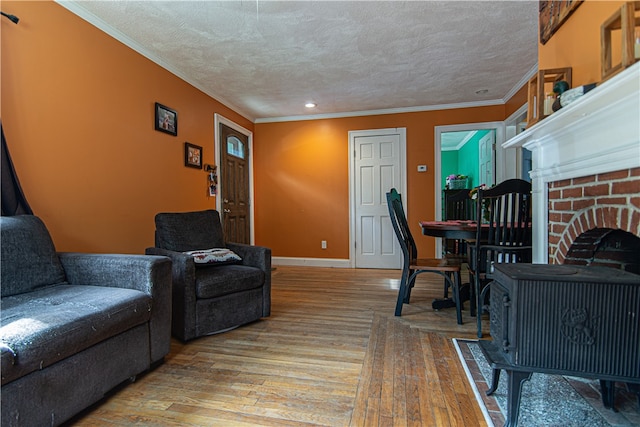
(471, 150)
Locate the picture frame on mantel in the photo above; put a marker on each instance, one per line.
(166, 119)
(554, 13)
(624, 27)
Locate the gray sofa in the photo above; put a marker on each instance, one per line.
(211, 298)
(73, 326)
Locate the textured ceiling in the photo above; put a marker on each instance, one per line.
(266, 59)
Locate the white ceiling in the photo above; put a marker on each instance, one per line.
(265, 59)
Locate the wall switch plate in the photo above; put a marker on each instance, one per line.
(422, 168)
(324, 244)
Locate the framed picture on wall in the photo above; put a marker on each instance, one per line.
(192, 156)
(553, 13)
(166, 119)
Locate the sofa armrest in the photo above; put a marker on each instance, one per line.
(148, 274)
(184, 291)
(259, 257)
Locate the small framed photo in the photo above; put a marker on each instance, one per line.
(166, 120)
(192, 156)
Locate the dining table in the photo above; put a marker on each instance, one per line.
(450, 229)
(456, 229)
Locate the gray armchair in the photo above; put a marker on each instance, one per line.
(210, 298)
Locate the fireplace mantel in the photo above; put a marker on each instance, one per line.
(598, 133)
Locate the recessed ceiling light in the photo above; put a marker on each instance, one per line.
(310, 105)
(482, 91)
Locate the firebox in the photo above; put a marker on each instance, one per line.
(574, 320)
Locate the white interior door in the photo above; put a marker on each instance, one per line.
(378, 166)
(487, 158)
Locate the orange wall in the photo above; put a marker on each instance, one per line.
(78, 111)
(516, 101)
(302, 170)
(577, 43)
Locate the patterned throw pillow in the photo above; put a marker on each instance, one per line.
(215, 256)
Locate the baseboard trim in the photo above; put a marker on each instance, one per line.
(311, 262)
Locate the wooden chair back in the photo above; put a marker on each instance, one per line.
(401, 227)
(507, 209)
(459, 205)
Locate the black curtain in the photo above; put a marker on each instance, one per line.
(13, 200)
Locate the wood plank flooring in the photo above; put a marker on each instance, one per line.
(331, 354)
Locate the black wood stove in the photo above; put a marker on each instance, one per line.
(574, 320)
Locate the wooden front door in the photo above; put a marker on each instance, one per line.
(234, 177)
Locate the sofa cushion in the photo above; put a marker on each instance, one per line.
(29, 258)
(189, 231)
(225, 279)
(47, 325)
(215, 256)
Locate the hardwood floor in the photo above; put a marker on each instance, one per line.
(332, 354)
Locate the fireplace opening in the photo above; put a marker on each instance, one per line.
(606, 247)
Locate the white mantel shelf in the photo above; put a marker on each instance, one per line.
(598, 133)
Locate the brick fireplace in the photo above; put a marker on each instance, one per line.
(586, 167)
(603, 201)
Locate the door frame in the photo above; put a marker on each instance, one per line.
(218, 119)
(353, 134)
(499, 160)
(514, 156)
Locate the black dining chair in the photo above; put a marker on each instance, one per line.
(414, 266)
(503, 235)
(458, 205)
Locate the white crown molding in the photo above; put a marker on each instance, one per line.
(523, 81)
(382, 111)
(74, 7)
(466, 139)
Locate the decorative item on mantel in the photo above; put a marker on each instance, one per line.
(566, 96)
(625, 24)
(539, 85)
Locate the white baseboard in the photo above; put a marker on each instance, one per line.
(311, 262)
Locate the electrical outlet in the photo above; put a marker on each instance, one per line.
(324, 244)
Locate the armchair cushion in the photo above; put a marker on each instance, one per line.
(226, 280)
(215, 256)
